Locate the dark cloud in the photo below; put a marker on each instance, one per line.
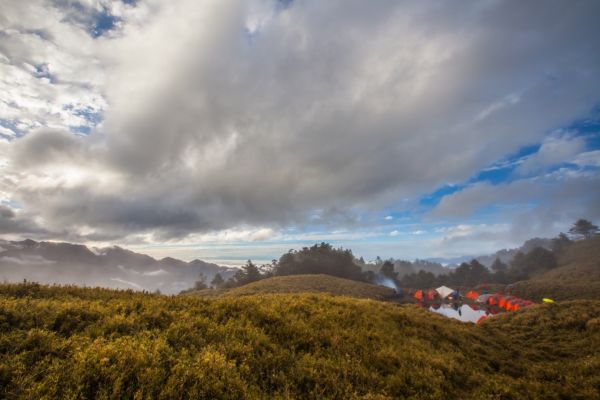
(6, 212)
(11, 223)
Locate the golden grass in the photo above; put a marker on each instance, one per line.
(305, 284)
(86, 344)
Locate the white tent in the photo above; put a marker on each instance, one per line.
(484, 298)
(444, 291)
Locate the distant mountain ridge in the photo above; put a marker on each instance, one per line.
(113, 267)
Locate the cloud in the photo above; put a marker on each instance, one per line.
(554, 150)
(539, 206)
(25, 259)
(159, 272)
(587, 159)
(236, 235)
(342, 106)
(132, 284)
(50, 73)
(6, 212)
(20, 223)
(469, 232)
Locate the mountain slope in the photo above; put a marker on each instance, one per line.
(113, 267)
(83, 343)
(577, 277)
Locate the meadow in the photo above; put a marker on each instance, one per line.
(77, 343)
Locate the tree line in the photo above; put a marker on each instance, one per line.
(522, 266)
(320, 258)
(323, 258)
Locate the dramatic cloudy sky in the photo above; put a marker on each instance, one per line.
(229, 130)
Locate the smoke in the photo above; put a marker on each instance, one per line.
(387, 282)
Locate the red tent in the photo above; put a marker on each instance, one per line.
(419, 295)
(471, 294)
(431, 294)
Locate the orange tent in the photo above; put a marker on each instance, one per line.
(471, 294)
(509, 305)
(419, 295)
(512, 305)
(501, 302)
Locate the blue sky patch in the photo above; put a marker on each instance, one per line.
(93, 117)
(10, 125)
(43, 72)
(104, 22)
(432, 199)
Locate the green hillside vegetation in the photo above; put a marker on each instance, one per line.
(305, 284)
(576, 277)
(74, 343)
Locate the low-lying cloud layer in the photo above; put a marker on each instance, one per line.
(213, 115)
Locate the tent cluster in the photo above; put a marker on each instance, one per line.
(508, 303)
(442, 292)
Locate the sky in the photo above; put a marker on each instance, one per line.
(227, 130)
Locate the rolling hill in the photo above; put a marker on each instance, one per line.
(102, 344)
(577, 276)
(305, 284)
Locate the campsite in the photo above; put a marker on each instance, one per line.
(299, 199)
(470, 307)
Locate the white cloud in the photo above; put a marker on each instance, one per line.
(159, 272)
(50, 72)
(554, 150)
(243, 234)
(128, 283)
(539, 206)
(587, 159)
(26, 259)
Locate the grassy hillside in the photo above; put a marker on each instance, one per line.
(306, 284)
(577, 277)
(92, 343)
